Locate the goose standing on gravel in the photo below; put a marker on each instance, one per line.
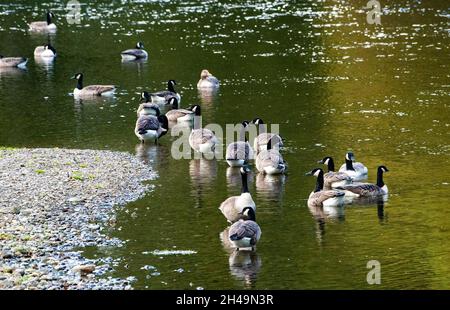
(324, 198)
(245, 233)
(240, 152)
(162, 97)
(91, 90)
(232, 208)
(146, 107)
(10, 62)
(357, 171)
(44, 26)
(151, 127)
(368, 189)
(334, 179)
(45, 51)
(135, 53)
(201, 140)
(181, 115)
(260, 142)
(270, 161)
(207, 80)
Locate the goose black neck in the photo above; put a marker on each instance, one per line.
(349, 164)
(269, 144)
(171, 88)
(80, 83)
(244, 188)
(319, 183)
(49, 19)
(331, 165)
(380, 182)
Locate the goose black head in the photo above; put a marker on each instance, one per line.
(50, 15)
(257, 121)
(249, 214)
(145, 96)
(383, 169)
(197, 110)
(349, 156)
(245, 124)
(172, 82)
(325, 160)
(140, 45)
(315, 172)
(50, 47)
(173, 102)
(78, 76)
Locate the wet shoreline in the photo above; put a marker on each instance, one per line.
(53, 201)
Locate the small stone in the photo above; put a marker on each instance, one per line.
(84, 269)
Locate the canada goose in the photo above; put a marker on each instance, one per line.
(233, 207)
(240, 152)
(146, 107)
(245, 233)
(201, 140)
(135, 53)
(44, 26)
(181, 115)
(368, 189)
(46, 51)
(260, 142)
(357, 171)
(162, 97)
(19, 62)
(207, 80)
(91, 90)
(334, 179)
(324, 198)
(150, 127)
(270, 161)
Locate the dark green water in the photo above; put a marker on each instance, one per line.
(332, 81)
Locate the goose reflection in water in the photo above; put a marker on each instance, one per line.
(207, 96)
(244, 265)
(270, 187)
(11, 71)
(234, 179)
(203, 172)
(152, 154)
(322, 215)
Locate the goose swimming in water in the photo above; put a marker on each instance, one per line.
(162, 97)
(151, 127)
(357, 171)
(260, 142)
(181, 115)
(334, 179)
(45, 51)
(146, 107)
(207, 80)
(44, 25)
(324, 198)
(270, 161)
(135, 53)
(91, 90)
(240, 152)
(245, 233)
(232, 208)
(367, 189)
(201, 140)
(10, 62)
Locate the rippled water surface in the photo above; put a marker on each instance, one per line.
(332, 81)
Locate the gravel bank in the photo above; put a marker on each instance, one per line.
(53, 200)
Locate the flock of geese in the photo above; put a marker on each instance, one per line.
(333, 188)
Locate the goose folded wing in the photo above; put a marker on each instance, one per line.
(243, 229)
(13, 61)
(98, 89)
(147, 123)
(362, 189)
(332, 177)
(134, 52)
